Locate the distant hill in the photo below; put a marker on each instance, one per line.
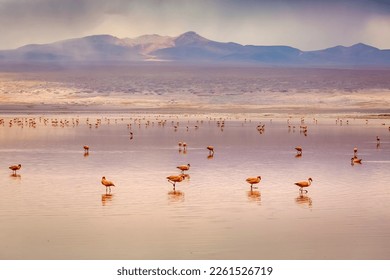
(190, 47)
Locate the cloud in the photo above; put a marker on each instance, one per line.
(42, 20)
(304, 24)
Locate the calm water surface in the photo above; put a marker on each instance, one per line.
(56, 208)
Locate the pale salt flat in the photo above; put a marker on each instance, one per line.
(196, 89)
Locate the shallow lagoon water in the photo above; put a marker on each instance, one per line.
(56, 207)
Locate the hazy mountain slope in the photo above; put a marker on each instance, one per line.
(91, 48)
(190, 47)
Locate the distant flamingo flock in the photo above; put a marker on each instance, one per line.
(173, 179)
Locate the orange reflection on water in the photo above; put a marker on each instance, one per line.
(254, 196)
(304, 200)
(176, 196)
(16, 176)
(107, 199)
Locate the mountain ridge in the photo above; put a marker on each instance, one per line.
(190, 47)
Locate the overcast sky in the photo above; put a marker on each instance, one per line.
(305, 24)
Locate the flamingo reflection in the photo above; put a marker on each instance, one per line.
(107, 199)
(175, 196)
(16, 176)
(254, 196)
(304, 200)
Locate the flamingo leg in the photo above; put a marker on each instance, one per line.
(173, 184)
